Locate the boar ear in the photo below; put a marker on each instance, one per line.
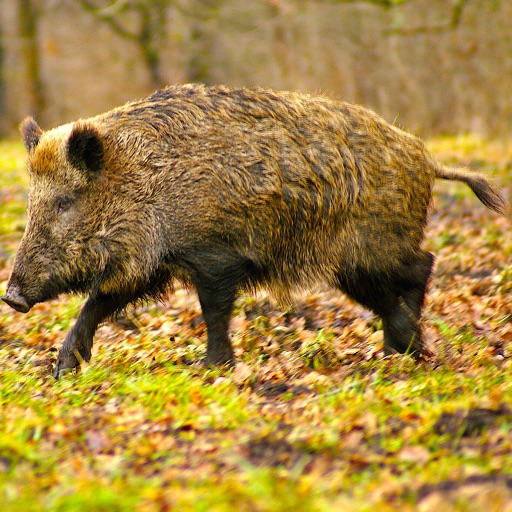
(85, 148)
(31, 133)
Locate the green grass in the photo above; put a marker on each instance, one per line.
(311, 418)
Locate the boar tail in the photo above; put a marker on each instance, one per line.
(485, 190)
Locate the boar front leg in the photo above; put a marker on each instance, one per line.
(217, 307)
(95, 310)
(218, 278)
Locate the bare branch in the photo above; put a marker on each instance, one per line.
(107, 16)
(380, 3)
(428, 29)
(150, 28)
(451, 24)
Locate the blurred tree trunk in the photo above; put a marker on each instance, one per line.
(3, 101)
(283, 40)
(151, 31)
(204, 15)
(28, 26)
(198, 69)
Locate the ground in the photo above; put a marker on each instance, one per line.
(312, 417)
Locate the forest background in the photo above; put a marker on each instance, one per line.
(431, 66)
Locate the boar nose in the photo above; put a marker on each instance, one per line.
(15, 299)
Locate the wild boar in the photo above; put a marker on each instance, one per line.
(227, 190)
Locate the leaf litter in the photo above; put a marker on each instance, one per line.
(312, 416)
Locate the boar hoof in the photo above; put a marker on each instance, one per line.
(65, 363)
(219, 360)
(58, 372)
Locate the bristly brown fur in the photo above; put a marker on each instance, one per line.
(229, 189)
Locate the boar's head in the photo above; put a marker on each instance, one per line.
(61, 249)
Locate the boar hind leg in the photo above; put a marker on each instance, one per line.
(398, 300)
(79, 339)
(402, 329)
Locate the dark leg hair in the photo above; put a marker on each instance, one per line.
(217, 306)
(217, 280)
(398, 299)
(95, 310)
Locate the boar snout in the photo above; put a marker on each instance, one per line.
(15, 298)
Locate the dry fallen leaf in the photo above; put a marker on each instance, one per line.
(242, 373)
(415, 454)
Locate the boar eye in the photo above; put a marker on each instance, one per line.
(63, 204)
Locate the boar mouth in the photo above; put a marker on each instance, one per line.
(20, 297)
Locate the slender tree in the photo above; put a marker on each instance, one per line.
(28, 17)
(3, 100)
(203, 15)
